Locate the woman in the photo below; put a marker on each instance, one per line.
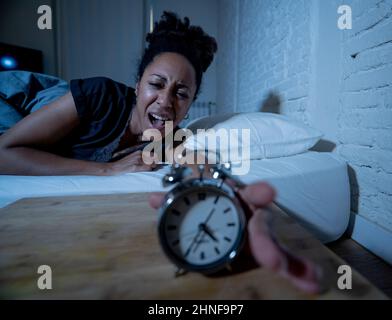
(85, 131)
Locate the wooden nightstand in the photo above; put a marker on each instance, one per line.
(106, 247)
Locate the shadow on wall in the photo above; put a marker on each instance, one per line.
(272, 104)
(324, 146)
(354, 196)
(354, 188)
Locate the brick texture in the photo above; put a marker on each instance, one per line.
(365, 120)
(267, 51)
(268, 46)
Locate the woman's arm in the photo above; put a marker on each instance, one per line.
(21, 147)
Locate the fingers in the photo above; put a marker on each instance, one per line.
(149, 158)
(155, 200)
(141, 167)
(141, 157)
(263, 248)
(258, 194)
(138, 161)
(301, 272)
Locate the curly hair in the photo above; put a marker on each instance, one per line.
(171, 34)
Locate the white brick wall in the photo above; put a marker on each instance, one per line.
(271, 54)
(227, 56)
(365, 121)
(274, 45)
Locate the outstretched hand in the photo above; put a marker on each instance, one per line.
(266, 251)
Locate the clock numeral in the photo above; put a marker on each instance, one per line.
(227, 239)
(227, 210)
(217, 250)
(231, 224)
(216, 199)
(202, 196)
(202, 255)
(187, 201)
(176, 212)
(171, 227)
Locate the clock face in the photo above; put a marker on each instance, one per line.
(202, 228)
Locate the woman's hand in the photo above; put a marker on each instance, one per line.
(267, 252)
(135, 162)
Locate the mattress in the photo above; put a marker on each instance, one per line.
(313, 187)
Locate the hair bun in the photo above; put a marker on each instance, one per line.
(172, 29)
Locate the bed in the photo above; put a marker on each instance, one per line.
(311, 186)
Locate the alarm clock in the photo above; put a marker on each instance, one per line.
(202, 224)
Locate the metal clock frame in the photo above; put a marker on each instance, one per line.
(217, 186)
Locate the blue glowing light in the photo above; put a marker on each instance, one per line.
(8, 62)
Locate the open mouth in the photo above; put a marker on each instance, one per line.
(158, 121)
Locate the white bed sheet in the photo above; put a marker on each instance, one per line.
(312, 186)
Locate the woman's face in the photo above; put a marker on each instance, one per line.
(164, 93)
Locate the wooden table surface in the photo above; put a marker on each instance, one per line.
(106, 247)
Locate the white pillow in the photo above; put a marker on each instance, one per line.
(271, 135)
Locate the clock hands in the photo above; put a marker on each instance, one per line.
(209, 217)
(193, 242)
(200, 240)
(203, 227)
(198, 233)
(210, 220)
(208, 231)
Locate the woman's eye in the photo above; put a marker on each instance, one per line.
(156, 84)
(183, 95)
